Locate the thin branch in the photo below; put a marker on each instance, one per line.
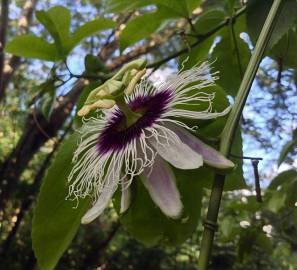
(257, 181)
(189, 20)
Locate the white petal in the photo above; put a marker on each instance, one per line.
(111, 182)
(210, 155)
(160, 183)
(173, 150)
(99, 206)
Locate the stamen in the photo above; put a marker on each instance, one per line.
(136, 78)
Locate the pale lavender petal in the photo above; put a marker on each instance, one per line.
(111, 182)
(170, 147)
(210, 156)
(160, 183)
(99, 206)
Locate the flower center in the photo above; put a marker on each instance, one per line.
(120, 131)
(130, 116)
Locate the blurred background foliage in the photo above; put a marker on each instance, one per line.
(38, 104)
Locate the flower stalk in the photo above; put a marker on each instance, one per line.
(228, 134)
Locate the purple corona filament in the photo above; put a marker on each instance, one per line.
(116, 136)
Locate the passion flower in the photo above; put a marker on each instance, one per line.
(142, 134)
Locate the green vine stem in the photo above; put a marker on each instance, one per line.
(228, 134)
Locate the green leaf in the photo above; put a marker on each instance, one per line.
(55, 220)
(89, 29)
(251, 205)
(288, 147)
(256, 15)
(115, 6)
(285, 50)
(294, 217)
(227, 227)
(142, 26)
(149, 225)
(61, 17)
(177, 7)
(276, 201)
(57, 21)
(250, 240)
(235, 179)
(93, 64)
(192, 5)
(264, 242)
(229, 6)
(198, 54)
(30, 46)
(282, 178)
(44, 18)
(236, 54)
(290, 190)
(209, 20)
(282, 191)
(246, 242)
(183, 8)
